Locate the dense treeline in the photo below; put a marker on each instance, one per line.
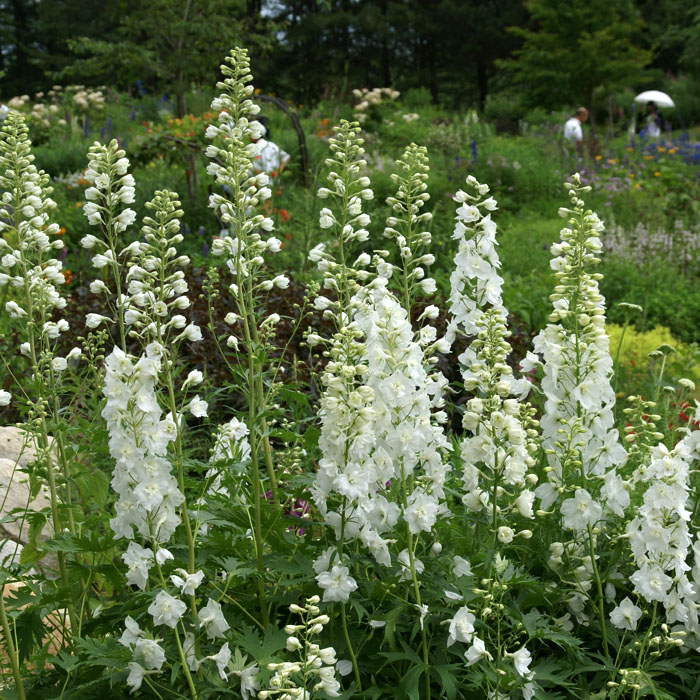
(461, 51)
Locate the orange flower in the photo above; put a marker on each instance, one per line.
(657, 173)
(69, 187)
(78, 204)
(68, 276)
(598, 157)
(284, 216)
(60, 231)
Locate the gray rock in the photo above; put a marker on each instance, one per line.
(16, 453)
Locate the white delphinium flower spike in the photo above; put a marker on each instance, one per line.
(346, 404)
(577, 425)
(659, 533)
(315, 671)
(138, 438)
(497, 453)
(405, 224)
(27, 248)
(243, 242)
(111, 189)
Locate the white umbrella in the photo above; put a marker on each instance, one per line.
(660, 98)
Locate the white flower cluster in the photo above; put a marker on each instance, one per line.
(149, 657)
(403, 227)
(232, 166)
(659, 533)
(475, 282)
(315, 671)
(409, 443)
(138, 438)
(156, 287)
(112, 187)
(26, 248)
(368, 97)
(498, 451)
(231, 446)
(577, 425)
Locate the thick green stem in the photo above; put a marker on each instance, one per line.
(416, 587)
(10, 649)
(351, 651)
(601, 598)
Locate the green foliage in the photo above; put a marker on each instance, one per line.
(572, 51)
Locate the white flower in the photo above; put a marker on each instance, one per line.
(476, 652)
(249, 683)
(337, 584)
(198, 407)
(461, 626)
(524, 503)
(344, 667)
(580, 511)
(522, 660)
(326, 218)
(132, 632)
(404, 559)
(461, 567)
(212, 619)
(651, 583)
(505, 534)
(138, 561)
(626, 615)
(221, 660)
(94, 320)
(59, 364)
(193, 378)
(421, 512)
(166, 610)
(136, 674)
(187, 583)
(151, 652)
(5, 397)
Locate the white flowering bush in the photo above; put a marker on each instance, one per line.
(381, 533)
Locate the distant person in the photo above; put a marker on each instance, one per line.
(652, 122)
(272, 158)
(573, 132)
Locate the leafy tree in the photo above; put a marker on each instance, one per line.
(171, 42)
(572, 50)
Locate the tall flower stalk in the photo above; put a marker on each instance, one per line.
(497, 453)
(34, 277)
(152, 495)
(111, 188)
(243, 245)
(578, 436)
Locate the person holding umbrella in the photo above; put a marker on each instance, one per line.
(652, 119)
(652, 124)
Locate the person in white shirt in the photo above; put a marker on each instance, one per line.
(271, 159)
(572, 129)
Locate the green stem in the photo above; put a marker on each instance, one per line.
(416, 587)
(601, 599)
(353, 658)
(10, 649)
